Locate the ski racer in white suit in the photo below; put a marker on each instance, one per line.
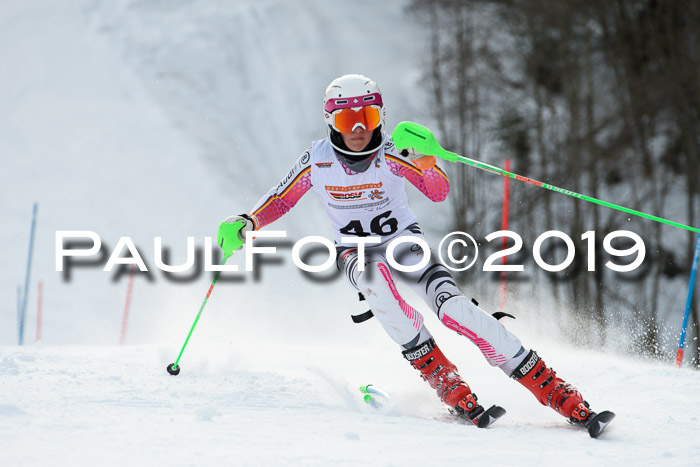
(360, 177)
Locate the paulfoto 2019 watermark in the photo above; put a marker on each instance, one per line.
(457, 251)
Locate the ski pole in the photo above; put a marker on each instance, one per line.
(173, 368)
(420, 138)
(229, 251)
(688, 303)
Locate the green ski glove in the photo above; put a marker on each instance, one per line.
(231, 235)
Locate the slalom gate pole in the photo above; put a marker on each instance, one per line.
(412, 135)
(504, 226)
(127, 304)
(28, 275)
(688, 303)
(19, 303)
(39, 310)
(173, 368)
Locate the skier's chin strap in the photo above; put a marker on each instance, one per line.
(357, 161)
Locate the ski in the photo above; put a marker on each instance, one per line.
(596, 423)
(484, 419)
(489, 416)
(376, 397)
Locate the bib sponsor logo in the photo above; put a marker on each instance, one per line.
(324, 165)
(365, 186)
(355, 192)
(376, 194)
(347, 196)
(370, 207)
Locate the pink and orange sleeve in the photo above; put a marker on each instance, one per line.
(281, 198)
(432, 182)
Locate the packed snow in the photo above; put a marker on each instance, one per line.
(253, 401)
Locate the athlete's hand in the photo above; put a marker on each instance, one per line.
(421, 161)
(231, 235)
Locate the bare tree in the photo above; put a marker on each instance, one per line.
(603, 98)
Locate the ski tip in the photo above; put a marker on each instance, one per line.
(599, 422)
(489, 416)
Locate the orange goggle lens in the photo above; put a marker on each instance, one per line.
(346, 120)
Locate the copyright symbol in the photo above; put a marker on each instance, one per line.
(465, 248)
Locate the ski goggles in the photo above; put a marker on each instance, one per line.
(346, 113)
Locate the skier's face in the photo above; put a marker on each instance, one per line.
(357, 140)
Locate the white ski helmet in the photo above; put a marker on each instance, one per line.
(351, 101)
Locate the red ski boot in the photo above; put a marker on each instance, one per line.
(551, 390)
(442, 376)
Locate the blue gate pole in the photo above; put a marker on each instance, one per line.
(688, 303)
(26, 278)
(19, 302)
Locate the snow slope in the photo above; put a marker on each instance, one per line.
(299, 405)
(141, 119)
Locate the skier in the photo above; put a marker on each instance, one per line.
(360, 177)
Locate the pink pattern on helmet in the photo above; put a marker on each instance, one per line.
(337, 103)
